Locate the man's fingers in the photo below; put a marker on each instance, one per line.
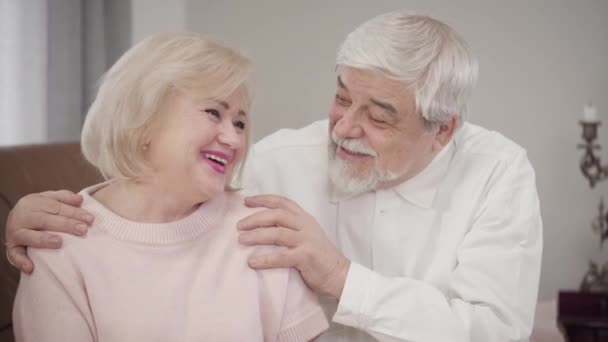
(54, 207)
(269, 218)
(18, 258)
(270, 236)
(35, 238)
(75, 213)
(272, 202)
(57, 223)
(283, 259)
(64, 196)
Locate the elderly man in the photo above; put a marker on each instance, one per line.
(411, 224)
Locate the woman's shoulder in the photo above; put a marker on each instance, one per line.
(236, 208)
(73, 248)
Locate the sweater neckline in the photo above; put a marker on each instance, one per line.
(187, 228)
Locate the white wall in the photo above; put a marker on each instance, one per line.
(540, 62)
(151, 16)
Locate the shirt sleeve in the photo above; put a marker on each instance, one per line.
(303, 318)
(492, 291)
(51, 303)
(250, 175)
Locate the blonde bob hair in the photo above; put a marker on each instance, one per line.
(137, 86)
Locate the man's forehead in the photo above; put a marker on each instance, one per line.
(371, 82)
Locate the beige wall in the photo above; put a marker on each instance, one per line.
(540, 62)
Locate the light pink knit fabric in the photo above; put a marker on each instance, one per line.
(183, 281)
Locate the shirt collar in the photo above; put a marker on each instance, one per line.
(419, 190)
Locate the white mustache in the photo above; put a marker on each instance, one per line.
(354, 145)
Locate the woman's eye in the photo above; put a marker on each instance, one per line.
(213, 112)
(240, 125)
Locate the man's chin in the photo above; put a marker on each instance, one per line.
(347, 183)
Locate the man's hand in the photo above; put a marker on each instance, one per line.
(52, 210)
(322, 266)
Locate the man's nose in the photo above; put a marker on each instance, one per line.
(348, 125)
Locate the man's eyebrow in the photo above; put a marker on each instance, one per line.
(386, 106)
(341, 84)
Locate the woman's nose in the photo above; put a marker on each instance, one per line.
(229, 135)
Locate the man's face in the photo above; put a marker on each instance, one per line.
(378, 139)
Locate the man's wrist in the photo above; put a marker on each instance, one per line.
(339, 278)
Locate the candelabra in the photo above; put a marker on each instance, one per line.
(596, 277)
(591, 166)
(583, 314)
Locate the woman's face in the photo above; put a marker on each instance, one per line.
(196, 145)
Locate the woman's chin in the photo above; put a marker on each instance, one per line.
(209, 183)
(211, 188)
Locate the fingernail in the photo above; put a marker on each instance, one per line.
(243, 238)
(55, 240)
(81, 228)
(254, 262)
(87, 217)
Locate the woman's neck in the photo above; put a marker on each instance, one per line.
(147, 201)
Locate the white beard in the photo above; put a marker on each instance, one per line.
(343, 174)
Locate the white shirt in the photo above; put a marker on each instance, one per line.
(452, 254)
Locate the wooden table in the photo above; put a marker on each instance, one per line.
(583, 316)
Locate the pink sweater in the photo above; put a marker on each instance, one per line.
(182, 281)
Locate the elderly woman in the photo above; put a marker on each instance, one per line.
(169, 130)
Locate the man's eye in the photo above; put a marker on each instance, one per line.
(342, 101)
(377, 120)
(213, 112)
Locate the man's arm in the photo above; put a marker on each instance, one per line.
(491, 295)
(492, 291)
(53, 211)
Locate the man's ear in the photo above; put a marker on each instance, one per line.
(445, 132)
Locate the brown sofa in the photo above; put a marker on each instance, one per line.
(28, 169)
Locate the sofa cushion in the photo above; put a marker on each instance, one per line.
(29, 169)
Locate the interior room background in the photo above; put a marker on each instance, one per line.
(540, 62)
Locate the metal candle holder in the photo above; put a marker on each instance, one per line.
(596, 277)
(591, 166)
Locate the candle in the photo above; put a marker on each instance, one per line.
(590, 114)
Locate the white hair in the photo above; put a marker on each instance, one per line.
(420, 51)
